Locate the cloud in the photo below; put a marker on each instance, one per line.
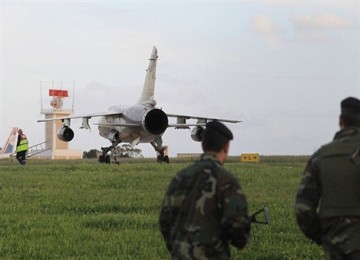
(263, 24)
(268, 29)
(320, 21)
(323, 28)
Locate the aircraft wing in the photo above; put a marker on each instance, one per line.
(85, 118)
(201, 121)
(108, 125)
(81, 116)
(181, 119)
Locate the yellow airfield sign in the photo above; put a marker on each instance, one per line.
(250, 157)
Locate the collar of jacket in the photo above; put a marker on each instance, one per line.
(347, 132)
(209, 156)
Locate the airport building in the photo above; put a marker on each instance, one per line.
(55, 148)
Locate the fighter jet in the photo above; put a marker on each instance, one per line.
(140, 123)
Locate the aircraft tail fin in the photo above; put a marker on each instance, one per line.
(149, 84)
(10, 143)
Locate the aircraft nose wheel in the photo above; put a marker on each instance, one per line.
(161, 159)
(104, 159)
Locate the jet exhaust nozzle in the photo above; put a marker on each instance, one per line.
(155, 121)
(197, 133)
(65, 134)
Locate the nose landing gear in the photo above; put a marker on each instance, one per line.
(105, 156)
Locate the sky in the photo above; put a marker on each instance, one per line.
(281, 67)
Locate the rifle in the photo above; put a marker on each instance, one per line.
(266, 217)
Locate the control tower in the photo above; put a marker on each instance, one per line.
(58, 149)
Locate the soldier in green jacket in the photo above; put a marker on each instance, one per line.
(204, 208)
(327, 203)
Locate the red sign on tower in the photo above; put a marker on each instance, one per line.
(58, 93)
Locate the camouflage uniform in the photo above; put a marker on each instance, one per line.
(203, 210)
(332, 181)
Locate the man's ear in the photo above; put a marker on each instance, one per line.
(341, 122)
(227, 147)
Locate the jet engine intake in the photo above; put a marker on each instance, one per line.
(196, 133)
(65, 134)
(155, 121)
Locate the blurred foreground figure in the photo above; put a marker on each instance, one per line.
(204, 209)
(22, 147)
(327, 203)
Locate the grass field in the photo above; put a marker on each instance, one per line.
(80, 209)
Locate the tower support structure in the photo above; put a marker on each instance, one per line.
(57, 149)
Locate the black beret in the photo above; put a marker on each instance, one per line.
(219, 128)
(351, 105)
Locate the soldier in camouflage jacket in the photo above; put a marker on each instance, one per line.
(327, 203)
(204, 208)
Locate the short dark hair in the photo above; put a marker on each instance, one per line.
(350, 111)
(213, 141)
(215, 136)
(350, 119)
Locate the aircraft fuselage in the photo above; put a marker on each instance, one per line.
(142, 123)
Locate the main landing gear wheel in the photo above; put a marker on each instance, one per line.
(162, 151)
